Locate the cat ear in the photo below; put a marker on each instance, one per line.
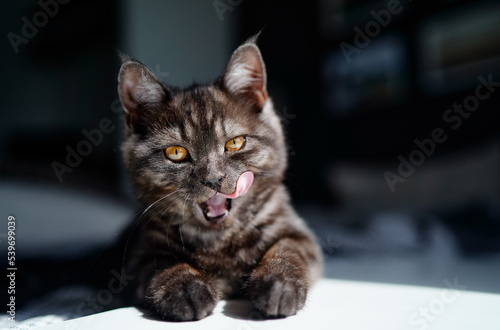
(245, 74)
(138, 89)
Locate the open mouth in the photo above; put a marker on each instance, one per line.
(218, 206)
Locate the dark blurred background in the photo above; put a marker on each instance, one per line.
(356, 83)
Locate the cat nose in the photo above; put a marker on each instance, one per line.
(215, 184)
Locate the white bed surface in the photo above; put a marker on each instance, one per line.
(334, 304)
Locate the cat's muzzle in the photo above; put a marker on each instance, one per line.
(218, 206)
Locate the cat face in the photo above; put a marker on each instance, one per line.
(202, 155)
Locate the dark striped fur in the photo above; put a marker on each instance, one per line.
(184, 263)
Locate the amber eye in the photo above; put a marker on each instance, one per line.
(176, 154)
(235, 144)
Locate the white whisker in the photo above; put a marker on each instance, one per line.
(157, 202)
(137, 222)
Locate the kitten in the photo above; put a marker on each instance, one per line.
(209, 160)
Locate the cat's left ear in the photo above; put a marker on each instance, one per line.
(245, 74)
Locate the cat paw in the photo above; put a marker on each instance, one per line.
(180, 298)
(275, 296)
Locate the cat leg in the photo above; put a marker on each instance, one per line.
(278, 286)
(180, 293)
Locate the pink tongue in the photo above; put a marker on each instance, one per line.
(242, 185)
(217, 204)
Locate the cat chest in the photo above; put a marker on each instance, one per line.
(228, 269)
(226, 263)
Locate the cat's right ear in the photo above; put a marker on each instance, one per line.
(245, 74)
(138, 89)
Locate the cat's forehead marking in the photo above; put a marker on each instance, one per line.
(212, 108)
(189, 130)
(235, 121)
(207, 114)
(194, 119)
(234, 127)
(169, 136)
(219, 128)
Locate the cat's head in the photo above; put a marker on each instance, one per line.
(207, 153)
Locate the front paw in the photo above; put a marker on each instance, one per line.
(276, 295)
(180, 295)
